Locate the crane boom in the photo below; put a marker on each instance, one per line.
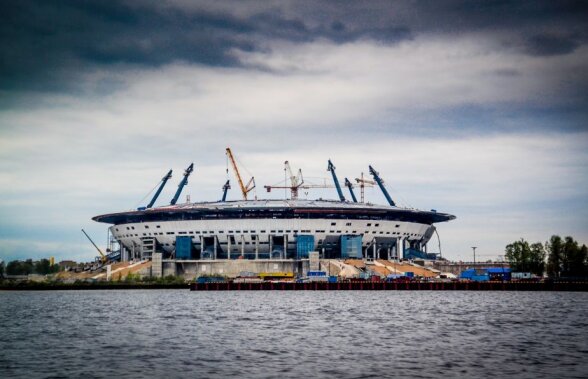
(163, 182)
(102, 256)
(331, 168)
(182, 183)
(226, 187)
(381, 185)
(245, 189)
(350, 186)
(362, 184)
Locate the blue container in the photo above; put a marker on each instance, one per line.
(304, 245)
(316, 273)
(332, 279)
(184, 247)
(351, 247)
(409, 274)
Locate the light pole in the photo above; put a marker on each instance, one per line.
(474, 249)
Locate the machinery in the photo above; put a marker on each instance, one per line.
(102, 257)
(350, 186)
(163, 182)
(362, 184)
(331, 168)
(226, 188)
(245, 188)
(182, 183)
(381, 185)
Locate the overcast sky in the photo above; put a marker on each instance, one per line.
(478, 109)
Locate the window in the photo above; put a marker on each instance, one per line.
(169, 233)
(333, 223)
(182, 233)
(262, 231)
(338, 231)
(158, 226)
(348, 224)
(397, 225)
(377, 225)
(146, 226)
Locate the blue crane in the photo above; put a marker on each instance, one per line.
(182, 183)
(226, 188)
(381, 185)
(332, 169)
(350, 186)
(163, 181)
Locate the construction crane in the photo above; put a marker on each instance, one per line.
(296, 182)
(182, 183)
(362, 184)
(245, 188)
(163, 181)
(331, 168)
(103, 258)
(381, 185)
(226, 188)
(350, 186)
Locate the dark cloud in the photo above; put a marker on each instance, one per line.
(46, 44)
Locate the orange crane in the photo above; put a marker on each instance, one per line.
(364, 183)
(245, 188)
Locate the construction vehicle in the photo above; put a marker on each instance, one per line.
(245, 188)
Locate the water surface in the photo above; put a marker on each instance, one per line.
(347, 334)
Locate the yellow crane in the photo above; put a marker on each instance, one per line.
(364, 183)
(245, 188)
(102, 255)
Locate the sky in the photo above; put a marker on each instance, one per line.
(477, 109)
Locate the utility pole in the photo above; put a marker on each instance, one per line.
(474, 249)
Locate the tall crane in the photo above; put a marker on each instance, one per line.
(362, 184)
(381, 185)
(182, 183)
(350, 186)
(296, 182)
(245, 188)
(331, 168)
(226, 188)
(102, 255)
(163, 181)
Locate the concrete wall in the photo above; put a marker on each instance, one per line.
(457, 267)
(231, 268)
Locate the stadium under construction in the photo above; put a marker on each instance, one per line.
(228, 237)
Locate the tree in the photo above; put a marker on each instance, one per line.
(20, 267)
(555, 252)
(525, 258)
(2, 269)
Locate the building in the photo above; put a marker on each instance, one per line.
(272, 229)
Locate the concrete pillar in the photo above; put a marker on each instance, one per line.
(374, 249)
(257, 247)
(214, 241)
(271, 246)
(242, 246)
(229, 246)
(284, 254)
(156, 266)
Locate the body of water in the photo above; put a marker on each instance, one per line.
(347, 334)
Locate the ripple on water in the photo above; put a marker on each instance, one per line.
(177, 333)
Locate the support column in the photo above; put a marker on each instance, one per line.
(215, 242)
(242, 246)
(256, 247)
(285, 253)
(374, 248)
(271, 246)
(229, 246)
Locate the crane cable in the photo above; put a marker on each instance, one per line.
(147, 195)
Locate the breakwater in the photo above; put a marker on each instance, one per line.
(391, 286)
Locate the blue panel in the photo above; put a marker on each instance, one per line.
(351, 247)
(304, 245)
(183, 247)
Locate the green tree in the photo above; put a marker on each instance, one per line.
(523, 257)
(2, 269)
(574, 261)
(537, 259)
(20, 267)
(42, 267)
(554, 259)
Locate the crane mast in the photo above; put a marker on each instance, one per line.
(163, 182)
(245, 189)
(381, 185)
(362, 184)
(182, 183)
(350, 186)
(331, 168)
